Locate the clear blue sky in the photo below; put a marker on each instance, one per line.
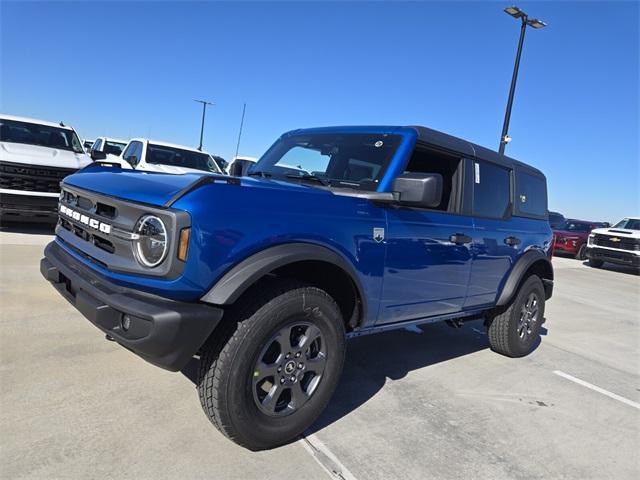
(132, 69)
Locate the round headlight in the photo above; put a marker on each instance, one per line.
(152, 245)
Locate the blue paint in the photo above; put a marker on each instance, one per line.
(416, 272)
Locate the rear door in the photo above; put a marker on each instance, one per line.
(495, 243)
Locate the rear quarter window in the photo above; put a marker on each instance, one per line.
(531, 195)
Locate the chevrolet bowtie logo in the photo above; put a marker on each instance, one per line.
(614, 239)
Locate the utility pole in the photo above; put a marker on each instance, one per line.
(515, 12)
(204, 111)
(244, 107)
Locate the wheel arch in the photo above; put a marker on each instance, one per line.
(314, 264)
(532, 262)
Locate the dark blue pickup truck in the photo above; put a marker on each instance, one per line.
(334, 233)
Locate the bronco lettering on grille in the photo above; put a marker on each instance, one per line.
(84, 219)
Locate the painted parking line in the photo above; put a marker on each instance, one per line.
(325, 458)
(598, 389)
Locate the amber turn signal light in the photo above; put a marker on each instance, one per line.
(183, 245)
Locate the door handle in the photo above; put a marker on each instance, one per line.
(512, 241)
(459, 238)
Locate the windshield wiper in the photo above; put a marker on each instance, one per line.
(308, 176)
(259, 173)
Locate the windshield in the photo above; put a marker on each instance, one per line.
(572, 226)
(42, 135)
(338, 160)
(629, 224)
(178, 157)
(114, 148)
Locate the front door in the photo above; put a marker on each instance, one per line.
(427, 265)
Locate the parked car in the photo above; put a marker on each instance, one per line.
(239, 166)
(264, 277)
(556, 220)
(222, 163)
(571, 237)
(110, 150)
(153, 156)
(35, 156)
(619, 244)
(87, 144)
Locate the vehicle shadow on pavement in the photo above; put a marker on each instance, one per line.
(616, 268)
(373, 359)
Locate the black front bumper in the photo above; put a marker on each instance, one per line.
(28, 207)
(613, 256)
(164, 332)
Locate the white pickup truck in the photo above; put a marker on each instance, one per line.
(619, 244)
(154, 156)
(35, 156)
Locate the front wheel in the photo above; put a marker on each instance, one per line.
(582, 252)
(278, 367)
(515, 331)
(595, 263)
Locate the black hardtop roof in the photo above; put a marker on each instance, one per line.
(449, 142)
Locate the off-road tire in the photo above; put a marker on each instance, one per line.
(503, 326)
(595, 263)
(228, 360)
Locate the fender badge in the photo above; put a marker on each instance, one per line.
(378, 234)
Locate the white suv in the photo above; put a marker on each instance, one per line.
(110, 150)
(34, 157)
(618, 244)
(153, 156)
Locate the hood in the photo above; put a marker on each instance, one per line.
(42, 156)
(617, 232)
(157, 189)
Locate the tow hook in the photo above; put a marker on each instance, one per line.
(454, 323)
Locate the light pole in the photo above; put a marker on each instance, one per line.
(204, 109)
(515, 12)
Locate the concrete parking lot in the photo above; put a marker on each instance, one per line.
(429, 403)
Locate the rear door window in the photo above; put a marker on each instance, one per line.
(491, 190)
(531, 194)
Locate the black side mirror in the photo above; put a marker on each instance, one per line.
(236, 169)
(96, 155)
(419, 189)
(133, 160)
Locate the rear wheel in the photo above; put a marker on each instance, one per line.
(278, 367)
(515, 331)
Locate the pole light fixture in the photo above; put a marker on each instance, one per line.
(517, 13)
(204, 110)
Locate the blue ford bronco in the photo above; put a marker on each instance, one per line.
(334, 233)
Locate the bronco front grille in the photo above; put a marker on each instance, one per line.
(621, 243)
(30, 178)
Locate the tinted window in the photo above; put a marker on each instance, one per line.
(628, 223)
(531, 194)
(41, 135)
(573, 226)
(491, 190)
(113, 148)
(178, 157)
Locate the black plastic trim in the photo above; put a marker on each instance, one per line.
(163, 332)
(235, 282)
(205, 179)
(517, 272)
